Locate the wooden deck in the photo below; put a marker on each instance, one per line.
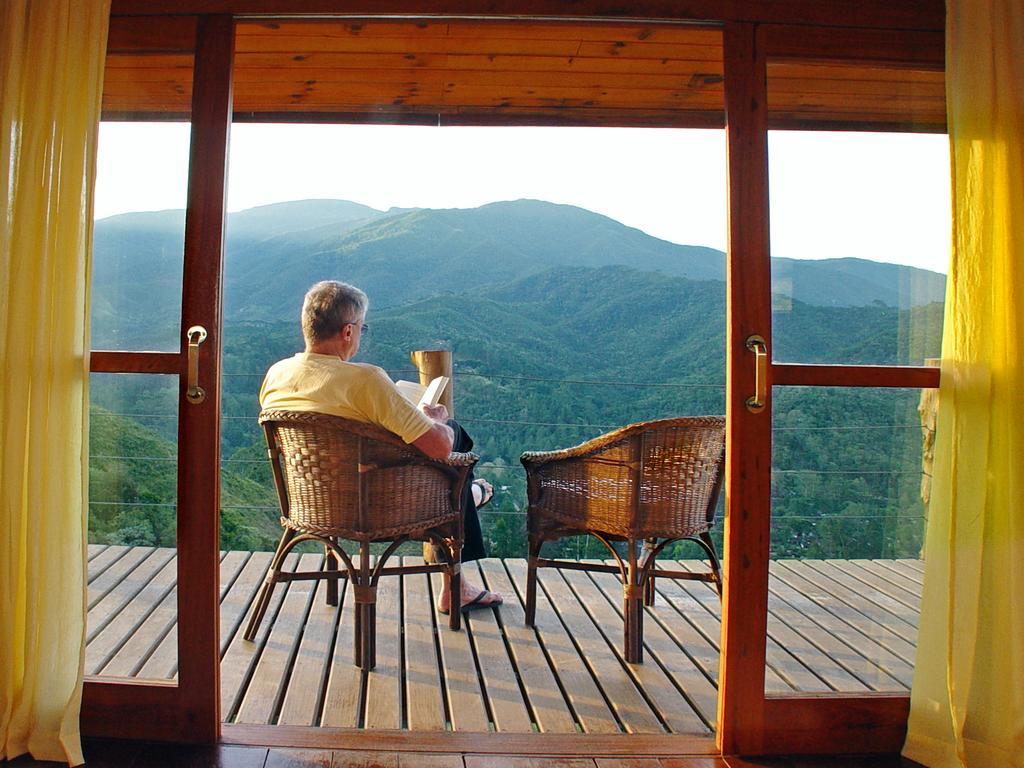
(834, 625)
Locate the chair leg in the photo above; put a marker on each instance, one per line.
(633, 609)
(647, 566)
(455, 587)
(364, 652)
(705, 541)
(267, 590)
(331, 566)
(531, 582)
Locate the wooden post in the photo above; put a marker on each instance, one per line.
(432, 363)
(741, 718)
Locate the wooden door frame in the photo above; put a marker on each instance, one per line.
(188, 711)
(749, 721)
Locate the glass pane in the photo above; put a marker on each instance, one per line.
(849, 483)
(860, 246)
(133, 470)
(139, 235)
(573, 295)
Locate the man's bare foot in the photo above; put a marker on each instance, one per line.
(473, 597)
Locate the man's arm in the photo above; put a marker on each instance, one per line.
(437, 441)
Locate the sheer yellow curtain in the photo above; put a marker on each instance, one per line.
(967, 703)
(51, 70)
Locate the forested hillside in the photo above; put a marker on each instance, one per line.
(563, 324)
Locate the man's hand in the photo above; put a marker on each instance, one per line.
(437, 412)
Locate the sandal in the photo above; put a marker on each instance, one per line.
(486, 492)
(478, 603)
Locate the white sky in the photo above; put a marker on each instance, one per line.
(877, 196)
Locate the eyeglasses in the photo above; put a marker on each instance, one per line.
(365, 326)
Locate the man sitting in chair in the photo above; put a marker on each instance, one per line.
(323, 379)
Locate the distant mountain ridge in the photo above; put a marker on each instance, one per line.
(275, 252)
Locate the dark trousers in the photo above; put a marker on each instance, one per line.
(473, 544)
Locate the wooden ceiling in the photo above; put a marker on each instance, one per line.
(444, 71)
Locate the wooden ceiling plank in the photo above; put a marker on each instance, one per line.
(909, 14)
(924, 50)
(811, 72)
(298, 45)
(129, 62)
(370, 96)
(484, 64)
(152, 34)
(333, 79)
(596, 31)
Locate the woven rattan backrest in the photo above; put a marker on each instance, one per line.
(338, 477)
(653, 479)
(680, 476)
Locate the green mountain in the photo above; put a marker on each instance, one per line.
(275, 252)
(563, 324)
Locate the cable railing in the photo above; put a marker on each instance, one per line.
(832, 503)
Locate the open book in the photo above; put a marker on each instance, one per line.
(420, 395)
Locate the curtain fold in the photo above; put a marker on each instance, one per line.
(967, 702)
(51, 67)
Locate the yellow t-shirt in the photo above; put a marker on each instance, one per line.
(357, 391)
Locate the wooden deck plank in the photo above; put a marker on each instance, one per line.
(501, 681)
(278, 757)
(907, 571)
(236, 601)
(589, 705)
(384, 682)
(102, 583)
(668, 702)
(126, 625)
(237, 660)
(789, 655)
(913, 563)
(103, 559)
(700, 692)
(784, 672)
(633, 711)
(911, 588)
(425, 760)
(151, 638)
(846, 623)
(147, 641)
(830, 624)
(903, 621)
(549, 707)
(343, 697)
(887, 628)
(124, 591)
(273, 668)
(831, 637)
(671, 610)
(908, 602)
(92, 550)
(310, 667)
(462, 684)
(424, 706)
(162, 664)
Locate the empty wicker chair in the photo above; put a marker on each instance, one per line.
(340, 479)
(648, 484)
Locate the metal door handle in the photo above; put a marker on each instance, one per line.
(759, 347)
(196, 335)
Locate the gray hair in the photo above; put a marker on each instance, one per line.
(328, 306)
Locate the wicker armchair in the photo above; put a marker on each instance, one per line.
(647, 484)
(339, 479)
